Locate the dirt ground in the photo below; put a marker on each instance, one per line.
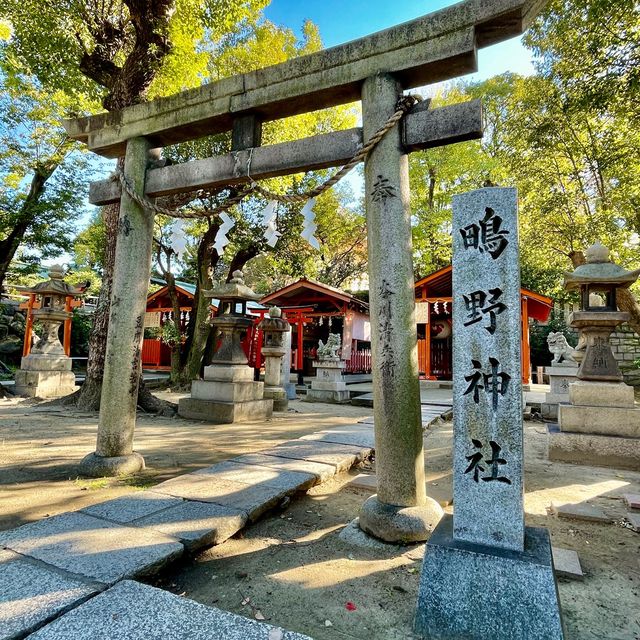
(291, 567)
(40, 447)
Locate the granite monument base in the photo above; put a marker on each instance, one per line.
(595, 450)
(560, 377)
(44, 384)
(474, 592)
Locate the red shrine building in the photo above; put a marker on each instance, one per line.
(433, 317)
(315, 310)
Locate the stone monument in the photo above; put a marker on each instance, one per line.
(46, 371)
(274, 328)
(601, 425)
(562, 372)
(228, 392)
(485, 574)
(329, 385)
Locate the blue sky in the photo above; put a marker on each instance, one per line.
(343, 20)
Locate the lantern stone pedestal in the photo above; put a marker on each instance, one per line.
(46, 371)
(328, 385)
(228, 392)
(601, 425)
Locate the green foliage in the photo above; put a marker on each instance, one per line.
(42, 172)
(59, 40)
(89, 245)
(576, 172)
(170, 334)
(80, 331)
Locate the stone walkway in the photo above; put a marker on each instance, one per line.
(49, 568)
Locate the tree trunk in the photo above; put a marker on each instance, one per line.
(199, 327)
(10, 244)
(177, 345)
(88, 397)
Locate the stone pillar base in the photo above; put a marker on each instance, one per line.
(594, 450)
(44, 384)
(95, 466)
(327, 395)
(403, 525)
(476, 592)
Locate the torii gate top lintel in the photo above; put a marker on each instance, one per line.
(438, 46)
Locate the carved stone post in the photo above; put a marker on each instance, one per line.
(114, 453)
(401, 511)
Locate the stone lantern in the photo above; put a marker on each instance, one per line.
(228, 392)
(601, 423)
(597, 281)
(46, 371)
(274, 327)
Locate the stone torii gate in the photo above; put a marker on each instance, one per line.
(375, 69)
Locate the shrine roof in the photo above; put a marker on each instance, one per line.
(439, 285)
(306, 292)
(188, 289)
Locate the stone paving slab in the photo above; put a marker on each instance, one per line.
(254, 499)
(91, 547)
(566, 563)
(128, 508)
(634, 520)
(196, 524)
(253, 474)
(130, 610)
(351, 435)
(632, 500)
(341, 456)
(320, 470)
(31, 594)
(580, 511)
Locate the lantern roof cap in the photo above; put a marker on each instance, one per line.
(54, 286)
(599, 269)
(235, 289)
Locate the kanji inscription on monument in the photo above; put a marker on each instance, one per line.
(487, 388)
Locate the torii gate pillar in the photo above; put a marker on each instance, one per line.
(401, 511)
(114, 453)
